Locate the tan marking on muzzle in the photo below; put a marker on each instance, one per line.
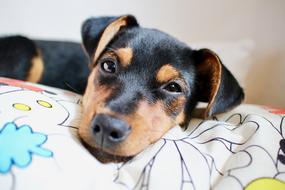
(93, 101)
(149, 123)
(176, 105)
(180, 119)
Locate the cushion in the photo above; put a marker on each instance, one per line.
(39, 148)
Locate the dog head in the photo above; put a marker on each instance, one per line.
(142, 83)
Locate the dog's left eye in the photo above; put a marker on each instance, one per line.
(173, 87)
(109, 66)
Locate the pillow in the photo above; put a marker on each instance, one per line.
(236, 56)
(39, 148)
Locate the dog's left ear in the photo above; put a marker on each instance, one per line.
(98, 32)
(216, 84)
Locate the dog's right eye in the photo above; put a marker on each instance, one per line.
(109, 66)
(173, 87)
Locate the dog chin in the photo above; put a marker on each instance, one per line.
(103, 156)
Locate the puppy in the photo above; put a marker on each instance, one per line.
(141, 83)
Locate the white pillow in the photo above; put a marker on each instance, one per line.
(39, 148)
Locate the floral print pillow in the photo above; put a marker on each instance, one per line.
(39, 148)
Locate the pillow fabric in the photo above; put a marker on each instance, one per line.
(39, 148)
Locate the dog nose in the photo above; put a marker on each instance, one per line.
(109, 131)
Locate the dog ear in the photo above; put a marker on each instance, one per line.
(215, 83)
(98, 32)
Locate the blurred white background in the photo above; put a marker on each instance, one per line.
(189, 20)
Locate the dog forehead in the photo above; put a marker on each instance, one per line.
(144, 41)
(149, 49)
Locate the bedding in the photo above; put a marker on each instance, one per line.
(39, 148)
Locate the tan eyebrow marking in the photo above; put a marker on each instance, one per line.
(166, 73)
(108, 54)
(125, 55)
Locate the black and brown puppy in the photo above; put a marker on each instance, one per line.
(142, 82)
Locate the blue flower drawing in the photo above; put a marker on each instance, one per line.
(18, 144)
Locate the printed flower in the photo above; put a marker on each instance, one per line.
(18, 144)
(266, 183)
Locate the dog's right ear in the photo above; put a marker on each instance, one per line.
(98, 32)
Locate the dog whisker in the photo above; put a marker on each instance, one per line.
(71, 88)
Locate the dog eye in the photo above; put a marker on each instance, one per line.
(109, 66)
(173, 87)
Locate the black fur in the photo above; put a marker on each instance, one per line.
(93, 28)
(16, 53)
(65, 63)
(151, 50)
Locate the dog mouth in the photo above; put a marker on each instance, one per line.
(103, 156)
